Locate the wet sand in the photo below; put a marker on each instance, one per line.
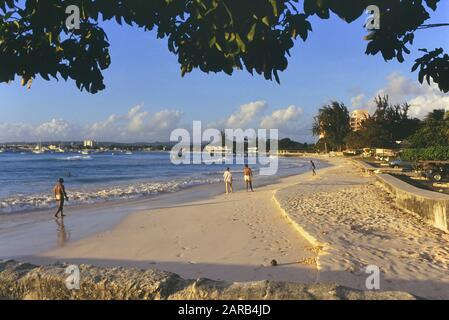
(231, 237)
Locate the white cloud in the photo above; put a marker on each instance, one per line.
(282, 118)
(431, 99)
(139, 125)
(246, 115)
(358, 101)
(422, 98)
(165, 119)
(53, 130)
(254, 115)
(16, 132)
(136, 125)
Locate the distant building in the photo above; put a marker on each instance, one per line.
(356, 119)
(217, 149)
(89, 143)
(253, 150)
(322, 132)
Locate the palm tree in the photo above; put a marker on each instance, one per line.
(332, 125)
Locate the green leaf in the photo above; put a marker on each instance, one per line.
(252, 32)
(275, 7)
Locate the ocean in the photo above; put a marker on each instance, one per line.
(27, 180)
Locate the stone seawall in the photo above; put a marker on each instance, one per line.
(26, 281)
(431, 206)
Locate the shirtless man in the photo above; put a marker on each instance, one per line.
(248, 177)
(60, 195)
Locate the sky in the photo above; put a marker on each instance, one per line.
(146, 97)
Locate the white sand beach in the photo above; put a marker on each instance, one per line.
(326, 229)
(358, 224)
(227, 237)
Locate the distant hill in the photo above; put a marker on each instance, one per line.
(289, 144)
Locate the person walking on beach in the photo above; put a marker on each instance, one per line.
(312, 166)
(60, 196)
(227, 177)
(248, 177)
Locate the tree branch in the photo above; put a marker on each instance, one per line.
(434, 25)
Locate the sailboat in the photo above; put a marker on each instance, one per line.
(60, 149)
(39, 149)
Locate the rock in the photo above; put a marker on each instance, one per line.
(26, 281)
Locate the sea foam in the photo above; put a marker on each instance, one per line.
(21, 202)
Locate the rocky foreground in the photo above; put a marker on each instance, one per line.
(26, 281)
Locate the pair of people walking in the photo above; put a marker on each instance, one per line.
(247, 177)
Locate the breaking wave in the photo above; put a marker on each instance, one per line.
(20, 203)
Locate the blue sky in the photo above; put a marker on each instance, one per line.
(331, 65)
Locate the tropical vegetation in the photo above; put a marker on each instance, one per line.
(389, 126)
(209, 35)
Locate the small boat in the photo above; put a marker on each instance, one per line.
(39, 149)
(60, 149)
(85, 152)
(128, 153)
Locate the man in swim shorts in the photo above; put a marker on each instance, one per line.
(60, 196)
(248, 177)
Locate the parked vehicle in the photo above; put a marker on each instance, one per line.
(367, 153)
(399, 163)
(434, 170)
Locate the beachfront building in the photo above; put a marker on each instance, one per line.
(89, 143)
(217, 150)
(253, 150)
(356, 119)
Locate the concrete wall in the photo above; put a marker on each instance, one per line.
(432, 206)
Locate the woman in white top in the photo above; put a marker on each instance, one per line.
(227, 177)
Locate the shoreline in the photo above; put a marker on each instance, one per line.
(248, 229)
(126, 198)
(30, 232)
